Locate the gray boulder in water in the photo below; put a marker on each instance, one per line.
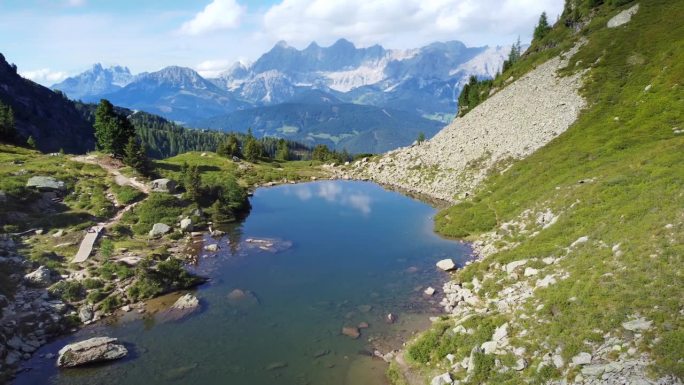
(93, 350)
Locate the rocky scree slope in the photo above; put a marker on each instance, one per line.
(581, 242)
(510, 125)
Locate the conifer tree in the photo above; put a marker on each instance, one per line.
(134, 156)
(282, 150)
(542, 28)
(30, 142)
(192, 182)
(112, 130)
(7, 128)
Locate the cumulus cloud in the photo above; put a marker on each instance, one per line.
(217, 15)
(212, 68)
(410, 22)
(75, 3)
(44, 76)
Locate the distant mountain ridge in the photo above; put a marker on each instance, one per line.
(423, 82)
(95, 82)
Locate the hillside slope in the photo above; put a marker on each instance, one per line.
(52, 119)
(579, 278)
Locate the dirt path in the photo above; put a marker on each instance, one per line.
(112, 167)
(88, 242)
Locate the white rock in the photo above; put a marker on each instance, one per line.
(549, 260)
(530, 272)
(212, 248)
(546, 281)
(442, 379)
(500, 333)
(623, 17)
(446, 264)
(558, 361)
(429, 291)
(489, 347)
(580, 241)
(637, 324)
(450, 357)
(583, 358)
(514, 265)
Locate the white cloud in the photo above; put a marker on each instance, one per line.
(405, 23)
(218, 15)
(213, 68)
(75, 3)
(45, 76)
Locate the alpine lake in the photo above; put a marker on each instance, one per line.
(309, 260)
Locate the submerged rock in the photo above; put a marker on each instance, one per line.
(351, 331)
(183, 307)
(93, 350)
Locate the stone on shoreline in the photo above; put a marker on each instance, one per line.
(430, 291)
(93, 350)
(446, 264)
(186, 225)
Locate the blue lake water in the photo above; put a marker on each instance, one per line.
(320, 256)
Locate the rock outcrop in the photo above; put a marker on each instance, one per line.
(163, 186)
(93, 350)
(46, 183)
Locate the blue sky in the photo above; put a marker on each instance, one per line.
(52, 39)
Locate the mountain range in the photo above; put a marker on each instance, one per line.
(420, 85)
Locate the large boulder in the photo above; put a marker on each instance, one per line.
(163, 186)
(186, 225)
(46, 183)
(159, 229)
(40, 277)
(446, 264)
(93, 350)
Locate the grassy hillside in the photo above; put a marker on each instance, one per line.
(617, 177)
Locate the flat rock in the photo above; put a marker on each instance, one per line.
(46, 183)
(446, 264)
(430, 291)
(623, 17)
(93, 350)
(637, 324)
(184, 306)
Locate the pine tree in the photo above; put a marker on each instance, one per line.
(112, 130)
(421, 137)
(7, 128)
(252, 148)
(230, 147)
(282, 150)
(192, 181)
(134, 156)
(30, 142)
(542, 28)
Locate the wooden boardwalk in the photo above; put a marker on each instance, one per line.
(87, 244)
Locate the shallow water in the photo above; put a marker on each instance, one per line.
(337, 253)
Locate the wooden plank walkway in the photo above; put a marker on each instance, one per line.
(87, 244)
